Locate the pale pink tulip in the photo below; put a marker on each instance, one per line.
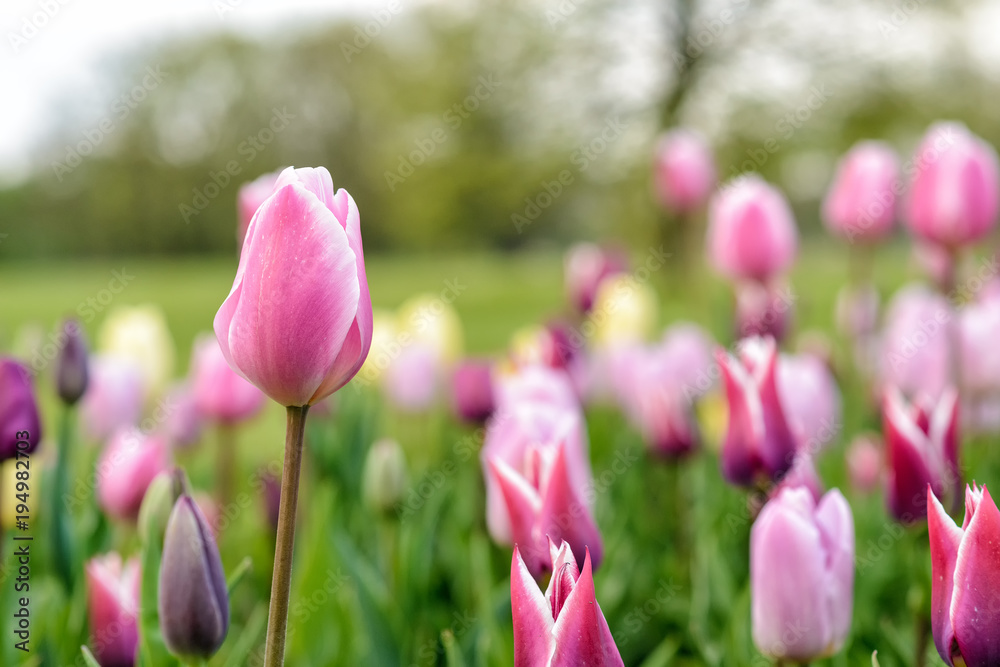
(126, 468)
(113, 609)
(861, 202)
(220, 394)
(684, 170)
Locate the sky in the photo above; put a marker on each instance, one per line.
(47, 46)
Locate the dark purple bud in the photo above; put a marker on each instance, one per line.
(19, 421)
(472, 390)
(193, 600)
(71, 365)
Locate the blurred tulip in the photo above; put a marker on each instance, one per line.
(127, 466)
(811, 400)
(384, 476)
(537, 475)
(922, 444)
(763, 310)
(19, 420)
(472, 390)
(625, 311)
(251, 195)
(193, 602)
(965, 601)
(431, 320)
(157, 504)
(71, 364)
(113, 608)
(659, 407)
(585, 266)
(385, 346)
(916, 355)
(219, 393)
(140, 334)
(802, 475)
(533, 384)
(979, 331)
(759, 443)
(413, 380)
(684, 170)
(856, 312)
(183, 425)
(565, 627)
(864, 462)
(298, 321)
(751, 231)
(114, 398)
(802, 575)
(953, 198)
(686, 350)
(861, 202)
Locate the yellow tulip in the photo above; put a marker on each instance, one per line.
(140, 334)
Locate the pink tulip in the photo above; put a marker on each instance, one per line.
(184, 421)
(684, 171)
(979, 326)
(127, 466)
(535, 383)
(298, 321)
(220, 394)
(763, 310)
(857, 311)
(864, 462)
(586, 265)
(751, 231)
(537, 479)
(922, 444)
(915, 355)
(955, 191)
(965, 576)
(251, 195)
(472, 390)
(802, 575)
(113, 608)
(759, 443)
(114, 398)
(686, 349)
(810, 398)
(861, 202)
(565, 627)
(412, 382)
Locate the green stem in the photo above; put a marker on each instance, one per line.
(59, 525)
(277, 620)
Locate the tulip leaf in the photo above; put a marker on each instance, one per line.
(152, 650)
(250, 637)
(452, 653)
(238, 574)
(88, 657)
(875, 659)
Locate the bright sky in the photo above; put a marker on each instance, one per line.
(47, 46)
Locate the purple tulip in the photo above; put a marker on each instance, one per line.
(18, 410)
(565, 627)
(965, 576)
(128, 465)
(71, 364)
(298, 321)
(472, 390)
(586, 265)
(219, 393)
(113, 608)
(251, 195)
(802, 575)
(810, 398)
(684, 173)
(861, 202)
(915, 354)
(922, 445)
(751, 231)
(954, 195)
(759, 444)
(115, 397)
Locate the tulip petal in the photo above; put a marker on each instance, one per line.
(945, 539)
(565, 515)
(975, 613)
(533, 622)
(581, 632)
(523, 508)
(740, 455)
(779, 445)
(944, 429)
(836, 525)
(564, 576)
(912, 462)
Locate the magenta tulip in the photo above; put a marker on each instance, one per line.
(113, 608)
(759, 444)
(965, 576)
(472, 390)
(251, 195)
(915, 354)
(565, 627)
(922, 446)
(126, 468)
(19, 420)
(811, 400)
(861, 202)
(684, 170)
(220, 394)
(298, 321)
(802, 575)
(586, 265)
(114, 396)
(954, 195)
(751, 231)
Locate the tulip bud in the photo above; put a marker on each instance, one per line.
(861, 203)
(19, 420)
(751, 231)
(193, 601)
(384, 475)
(684, 171)
(219, 393)
(251, 195)
(953, 198)
(113, 608)
(71, 364)
(472, 390)
(585, 266)
(129, 463)
(802, 575)
(157, 504)
(298, 320)
(965, 602)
